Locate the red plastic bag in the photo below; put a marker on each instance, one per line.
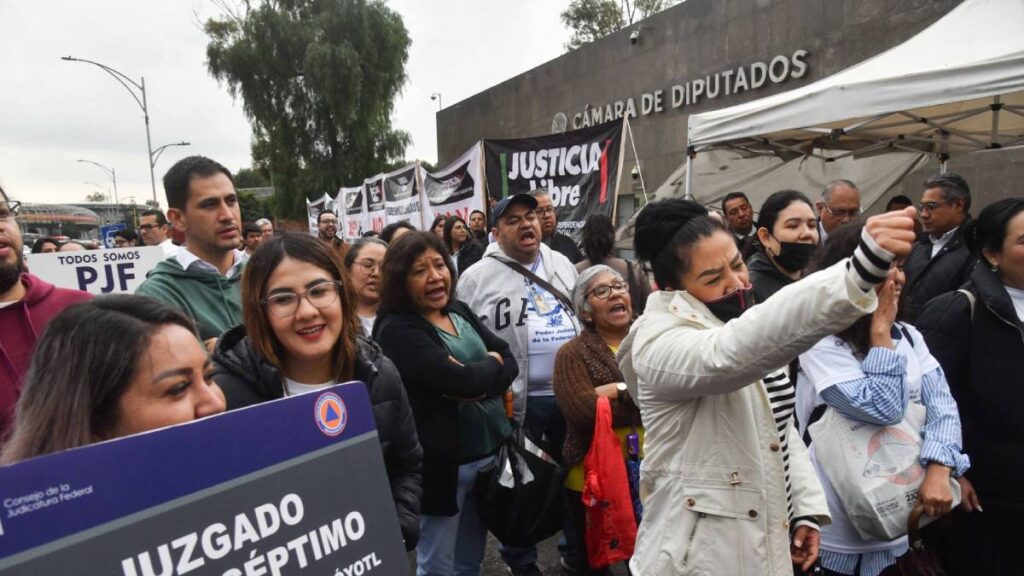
(611, 524)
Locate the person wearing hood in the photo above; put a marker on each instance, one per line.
(520, 290)
(787, 237)
(27, 304)
(301, 334)
(202, 279)
(728, 485)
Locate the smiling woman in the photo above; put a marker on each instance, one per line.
(110, 367)
(300, 335)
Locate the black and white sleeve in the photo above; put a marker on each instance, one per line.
(870, 263)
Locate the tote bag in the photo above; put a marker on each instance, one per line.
(875, 470)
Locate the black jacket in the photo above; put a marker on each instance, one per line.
(765, 277)
(929, 277)
(470, 253)
(982, 359)
(434, 384)
(566, 246)
(247, 379)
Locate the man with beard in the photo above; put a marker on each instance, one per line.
(548, 225)
(327, 225)
(520, 289)
(203, 279)
(26, 306)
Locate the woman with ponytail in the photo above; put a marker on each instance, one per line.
(977, 334)
(787, 237)
(728, 485)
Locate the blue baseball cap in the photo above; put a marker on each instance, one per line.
(499, 209)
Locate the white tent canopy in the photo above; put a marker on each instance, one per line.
(957, 86)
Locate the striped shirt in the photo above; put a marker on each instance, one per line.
(782, 397)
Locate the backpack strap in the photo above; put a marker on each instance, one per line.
(816, 415)
(971, 299)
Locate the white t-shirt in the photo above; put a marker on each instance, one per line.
(293, 388)
(830, 362)
(545, 335)
(1017, 297)
(368, 322)
(169, 248)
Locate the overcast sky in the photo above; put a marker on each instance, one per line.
(53, 113)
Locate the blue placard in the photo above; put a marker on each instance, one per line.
(107, 233)
(295, 486)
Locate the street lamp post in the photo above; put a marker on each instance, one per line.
(140, 99)
(155, 154)
(110, 174)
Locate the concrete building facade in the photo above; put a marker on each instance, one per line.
(703, 55)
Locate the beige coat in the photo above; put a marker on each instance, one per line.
(712, 479)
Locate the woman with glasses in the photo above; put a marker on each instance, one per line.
(301, 335)
(787, 235)
(456, 372)
(363, 261)
(586, 369)
(464, 250)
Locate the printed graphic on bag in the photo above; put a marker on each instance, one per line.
(889, 449)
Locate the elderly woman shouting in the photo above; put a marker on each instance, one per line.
(585, 368)
(726, 482)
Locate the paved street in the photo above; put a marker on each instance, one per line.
(548, 560)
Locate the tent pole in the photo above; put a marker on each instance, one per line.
(689, 176)
(639, 170)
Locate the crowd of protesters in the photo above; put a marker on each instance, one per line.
(718, 350)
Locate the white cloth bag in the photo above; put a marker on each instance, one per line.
(875, 470)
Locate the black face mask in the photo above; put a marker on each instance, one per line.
(732, 305)
(794, 256)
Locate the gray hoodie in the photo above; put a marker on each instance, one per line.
(496, 294)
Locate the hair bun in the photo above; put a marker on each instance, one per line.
(658, 222)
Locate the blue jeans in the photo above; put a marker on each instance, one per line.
(543, 420)
(454, 545)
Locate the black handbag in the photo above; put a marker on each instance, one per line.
(520, 493)
(918, 561)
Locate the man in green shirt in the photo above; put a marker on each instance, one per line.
(203, 278)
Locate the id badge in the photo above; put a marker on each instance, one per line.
(540, 303)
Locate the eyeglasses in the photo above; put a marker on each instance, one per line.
(368, 266)
(148, 227)
(286, 304)
(329, 222)
(605, 290)
(930, 206)
(544, 211)
(9, 210)
(851, 213)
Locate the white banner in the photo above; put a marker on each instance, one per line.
(117, 271)
(313, 209)
(402, 196)
(457, 189)
(376, 211)
(351, 204)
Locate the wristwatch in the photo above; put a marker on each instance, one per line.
(623, 393)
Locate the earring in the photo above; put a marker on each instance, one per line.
(995, 267)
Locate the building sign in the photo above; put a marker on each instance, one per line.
(723, 83)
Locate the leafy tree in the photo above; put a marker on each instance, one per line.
(593, 19)
(96, 197)
(318, 80)
(250, 178)
(252, 208)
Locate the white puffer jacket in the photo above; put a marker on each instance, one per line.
(712, 480)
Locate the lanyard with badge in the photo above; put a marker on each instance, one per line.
(540, 303)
